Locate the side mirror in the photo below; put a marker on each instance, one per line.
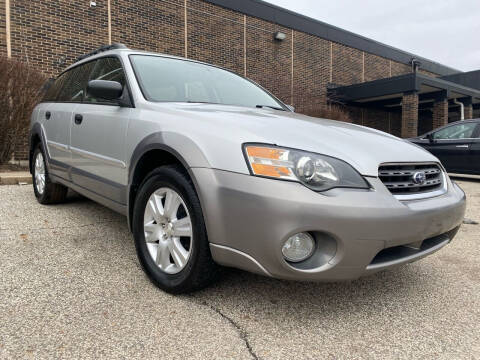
(104, 89)
(291, 108)
(430, 138)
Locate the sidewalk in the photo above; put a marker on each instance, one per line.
(15, 177)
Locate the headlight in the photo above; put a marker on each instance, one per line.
(317, 172)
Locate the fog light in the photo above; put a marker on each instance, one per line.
(298, 247)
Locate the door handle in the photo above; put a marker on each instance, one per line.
(48, 114)
(462, 146)
(78, 119)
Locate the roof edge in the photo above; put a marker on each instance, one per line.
(299, 22)
(400, 84)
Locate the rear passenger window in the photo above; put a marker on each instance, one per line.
(106, 69)
(75, 83)
(53, 88)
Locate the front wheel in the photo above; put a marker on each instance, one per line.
(170, 235)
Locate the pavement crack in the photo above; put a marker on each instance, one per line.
(240, 331)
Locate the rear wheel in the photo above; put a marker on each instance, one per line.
(46, 192)
(170, 234)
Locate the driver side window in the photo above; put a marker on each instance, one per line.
(108, 68)
(455, 132)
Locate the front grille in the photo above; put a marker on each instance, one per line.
(406, 179)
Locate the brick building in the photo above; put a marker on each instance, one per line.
(315, 64)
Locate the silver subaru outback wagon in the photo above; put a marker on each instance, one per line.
(210, 169)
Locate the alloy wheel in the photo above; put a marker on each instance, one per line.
(168, 230)
(40, 173)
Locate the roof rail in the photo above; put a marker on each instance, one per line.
(101, 49)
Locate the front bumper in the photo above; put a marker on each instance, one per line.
(248, 218)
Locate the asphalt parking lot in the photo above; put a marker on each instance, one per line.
(71, 287)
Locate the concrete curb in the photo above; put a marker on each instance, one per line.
(15, 178)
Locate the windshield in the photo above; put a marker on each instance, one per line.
(171, 80)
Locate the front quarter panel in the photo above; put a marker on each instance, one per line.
(145, 136)
(184, 149)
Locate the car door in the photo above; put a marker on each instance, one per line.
(451, 145)
(55, 117)
(474, 154)
(98, 137)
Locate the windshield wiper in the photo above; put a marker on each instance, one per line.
(201, 102)
(269, 106)
(257, 106)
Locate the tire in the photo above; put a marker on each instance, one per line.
(45, 190)
(167, 231)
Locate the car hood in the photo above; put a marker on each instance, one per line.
(418, 139)
(363, 148)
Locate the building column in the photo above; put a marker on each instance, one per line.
(7, 29)
(468, 107)
(469, 111)
(409, 115)
(440, 112)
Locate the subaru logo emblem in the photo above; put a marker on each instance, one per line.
(419, 178)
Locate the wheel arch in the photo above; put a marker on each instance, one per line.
(36, 137)
(153, 152)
